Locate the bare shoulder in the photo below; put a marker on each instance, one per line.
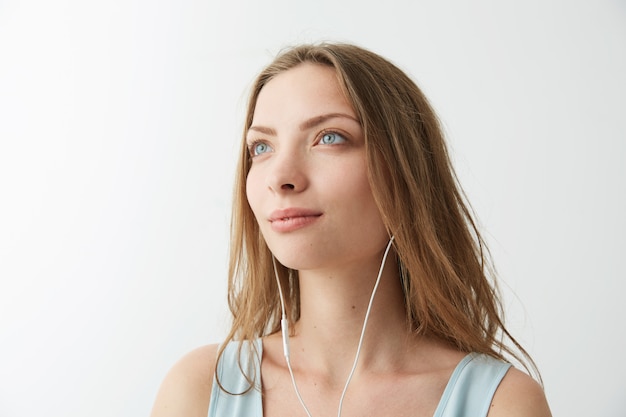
(186, 389)
(519, 396)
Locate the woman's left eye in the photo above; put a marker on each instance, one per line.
(331, 138)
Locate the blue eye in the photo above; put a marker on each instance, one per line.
(332, 138)
(259, 148)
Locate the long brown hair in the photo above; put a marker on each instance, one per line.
(444, 263)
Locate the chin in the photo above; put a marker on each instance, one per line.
(294, 260)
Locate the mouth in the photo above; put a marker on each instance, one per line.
(292, 213)
(287, 220)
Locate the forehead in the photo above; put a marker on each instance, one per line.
(303, 91)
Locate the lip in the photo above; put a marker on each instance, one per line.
(290, 219)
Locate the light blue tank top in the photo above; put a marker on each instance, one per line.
(468, 393)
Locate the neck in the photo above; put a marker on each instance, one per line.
(333, 305)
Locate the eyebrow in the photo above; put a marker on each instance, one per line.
(307, 124)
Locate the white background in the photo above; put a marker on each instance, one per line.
(119, 124)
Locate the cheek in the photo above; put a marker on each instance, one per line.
(252, 191)
(361, 194)
(357, 184)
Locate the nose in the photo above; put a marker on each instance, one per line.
(287, 173)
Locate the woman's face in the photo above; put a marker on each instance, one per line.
(307, 185)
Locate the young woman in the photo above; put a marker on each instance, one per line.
(350, 233)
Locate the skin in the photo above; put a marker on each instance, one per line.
(306, 159)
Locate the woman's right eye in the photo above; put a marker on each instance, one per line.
(258, 148)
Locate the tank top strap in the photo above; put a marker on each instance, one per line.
(238, 398)
(471, 387)
(469, 391)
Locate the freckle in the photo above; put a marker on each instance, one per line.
(353, 307)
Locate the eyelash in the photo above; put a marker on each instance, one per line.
(253, 145)
(318, 140)
(323, 133)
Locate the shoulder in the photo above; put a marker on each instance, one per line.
(518, 395)
(186, 389)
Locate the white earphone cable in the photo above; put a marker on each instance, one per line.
(285, 333)
(367, 315)
(284, 326)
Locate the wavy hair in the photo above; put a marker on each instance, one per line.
(445, 267)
